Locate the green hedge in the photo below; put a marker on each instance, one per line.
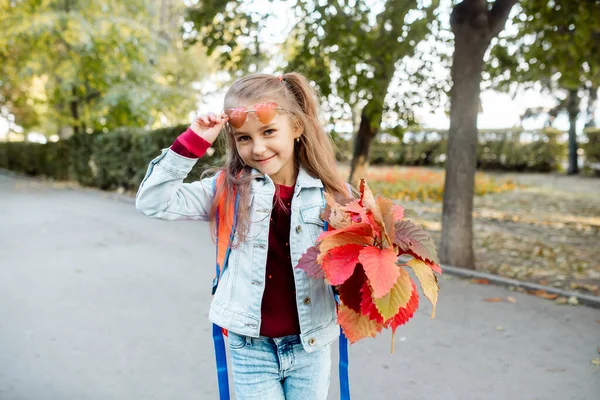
(111, 160)
(119, 158)
(510, 150)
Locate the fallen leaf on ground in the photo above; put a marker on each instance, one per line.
(480, 281)
(511, 299)
(494, 299)
(573, 301)
(544, 295)
(561, 300)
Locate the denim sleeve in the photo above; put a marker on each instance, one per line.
(163, 195)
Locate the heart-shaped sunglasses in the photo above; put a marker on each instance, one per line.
(265, 112)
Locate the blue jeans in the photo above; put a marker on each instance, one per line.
(278, 368)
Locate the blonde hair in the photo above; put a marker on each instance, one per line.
(314, 152)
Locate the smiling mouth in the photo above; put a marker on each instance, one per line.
(265, 160)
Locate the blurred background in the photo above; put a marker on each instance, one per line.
(418, 96)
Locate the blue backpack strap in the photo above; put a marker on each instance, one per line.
(217, 331)
(343, 344)
(221, 357)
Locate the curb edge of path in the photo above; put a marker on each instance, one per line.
(585, 299)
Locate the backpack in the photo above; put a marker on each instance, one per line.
(225, 227)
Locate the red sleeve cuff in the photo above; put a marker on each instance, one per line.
(190, 145)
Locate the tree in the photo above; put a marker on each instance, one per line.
(474, 24)
(350, 51)
(91, 64)
(556, 43)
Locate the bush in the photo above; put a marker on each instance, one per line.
(592, 149)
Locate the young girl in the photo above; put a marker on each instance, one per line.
(279, 161)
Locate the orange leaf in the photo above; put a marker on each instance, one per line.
(381, 269)
(367, 200)
(545, 295)
(386, 207)
(480, 281)
(359, 228)
(494, 299)
(337, 218)
(357, 326)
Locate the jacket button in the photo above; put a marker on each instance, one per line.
(312, 341)
(298, 229)
(307, 300)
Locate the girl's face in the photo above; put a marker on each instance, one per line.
(269, 147)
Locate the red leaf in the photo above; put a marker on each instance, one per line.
(367, 305)
(341, 239)
(412, 239)
(381, 269)
(350, 291)
(339, 263)
(308, 263)
(405, 313)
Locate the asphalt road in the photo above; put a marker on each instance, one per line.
(98, 302)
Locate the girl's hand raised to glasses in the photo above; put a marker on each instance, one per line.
(208, 126)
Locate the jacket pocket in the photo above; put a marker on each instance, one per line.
(311, 216)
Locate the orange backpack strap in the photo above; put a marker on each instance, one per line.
(225, 222)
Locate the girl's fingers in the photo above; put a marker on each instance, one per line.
(212, 117)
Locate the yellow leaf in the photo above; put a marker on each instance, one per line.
(428, 280)
(398, 296)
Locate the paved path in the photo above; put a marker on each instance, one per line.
(98, 302)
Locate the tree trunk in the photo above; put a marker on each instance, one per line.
(573, 110)
(367, 131)
(474, 25)
(74, 107)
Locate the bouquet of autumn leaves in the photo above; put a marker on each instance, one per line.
(359, 255)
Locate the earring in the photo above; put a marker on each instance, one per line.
(298, 139)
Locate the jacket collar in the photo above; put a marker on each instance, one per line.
(304, 179)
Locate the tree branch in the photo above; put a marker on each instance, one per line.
(499, 14)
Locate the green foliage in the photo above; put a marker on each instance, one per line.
(348, 49)
(556, 43)
(592, 149)
(91, 65)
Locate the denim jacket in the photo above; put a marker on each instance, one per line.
(236, 305)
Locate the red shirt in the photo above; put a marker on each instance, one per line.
(279, 313)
